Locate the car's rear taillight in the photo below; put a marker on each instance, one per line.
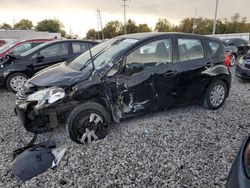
(227, 61)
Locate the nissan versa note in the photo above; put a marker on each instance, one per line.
(123, 77)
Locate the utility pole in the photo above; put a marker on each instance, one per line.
(99, 20)
(215, 17)
(194, 23)
(125, 20)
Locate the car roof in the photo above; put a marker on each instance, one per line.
(70, 40)
(148, 35)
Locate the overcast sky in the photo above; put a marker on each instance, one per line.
(79, 15)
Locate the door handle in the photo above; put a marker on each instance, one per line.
(169, 73)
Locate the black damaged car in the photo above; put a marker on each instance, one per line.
(16, 69)
(123, 77)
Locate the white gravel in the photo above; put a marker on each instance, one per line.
(184, 147)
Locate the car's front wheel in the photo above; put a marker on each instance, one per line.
(216, 95)
(88, 122)
(16, 81)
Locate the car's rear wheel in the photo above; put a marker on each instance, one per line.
(88, 122)
(16, 81)
(233, 59)
(216, 95)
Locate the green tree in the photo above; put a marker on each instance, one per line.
(186, 25)
(63, 33)
(52, 26)
(5, 26)
(23, 24)
(91, 34)
(163, 25)
(113, 29)
(131, 27)
(143, 28)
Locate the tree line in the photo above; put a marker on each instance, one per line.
(200, 25)
(235, 24)
(50, 25)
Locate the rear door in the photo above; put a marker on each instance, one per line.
(50, 55)
(192, 60)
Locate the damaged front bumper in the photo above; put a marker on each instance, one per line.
(39, 116)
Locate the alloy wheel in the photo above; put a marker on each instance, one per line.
(217, 95)
(17, 82)
(88, 126)
(233, 60)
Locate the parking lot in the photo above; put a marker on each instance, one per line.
(183, 147)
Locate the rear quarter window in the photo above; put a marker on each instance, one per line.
(190, 49)
(215, 49)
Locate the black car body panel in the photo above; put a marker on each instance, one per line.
(149, 87)
(237, 177)
(31, 62)
(242, 69)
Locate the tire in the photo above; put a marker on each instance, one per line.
(16, 77)
(79, 121)
(233, 59)
(209, 100)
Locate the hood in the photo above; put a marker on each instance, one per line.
(8, 59)
(59, 75)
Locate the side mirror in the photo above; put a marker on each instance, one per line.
(39, 58)
(134, 68)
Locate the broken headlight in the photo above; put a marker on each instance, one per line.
(46, 96)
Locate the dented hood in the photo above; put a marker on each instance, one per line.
(59, 75)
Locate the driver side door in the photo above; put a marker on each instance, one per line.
(144, 73)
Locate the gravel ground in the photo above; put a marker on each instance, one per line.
(183, 147)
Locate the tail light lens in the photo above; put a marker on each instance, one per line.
(227, 61)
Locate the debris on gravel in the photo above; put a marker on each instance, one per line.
(183, 147)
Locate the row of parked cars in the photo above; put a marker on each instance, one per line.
(91, 86)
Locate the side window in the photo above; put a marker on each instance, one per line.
(215, 49)
(35, 44)
(55, 50)
(22, 48)
(190, 49)
(152, 53)
(80, 47)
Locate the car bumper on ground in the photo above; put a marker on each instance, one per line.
(237, 177)
(242, 72)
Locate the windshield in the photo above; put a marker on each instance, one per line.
(7, 46)
(33, 49)
(103, 54)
